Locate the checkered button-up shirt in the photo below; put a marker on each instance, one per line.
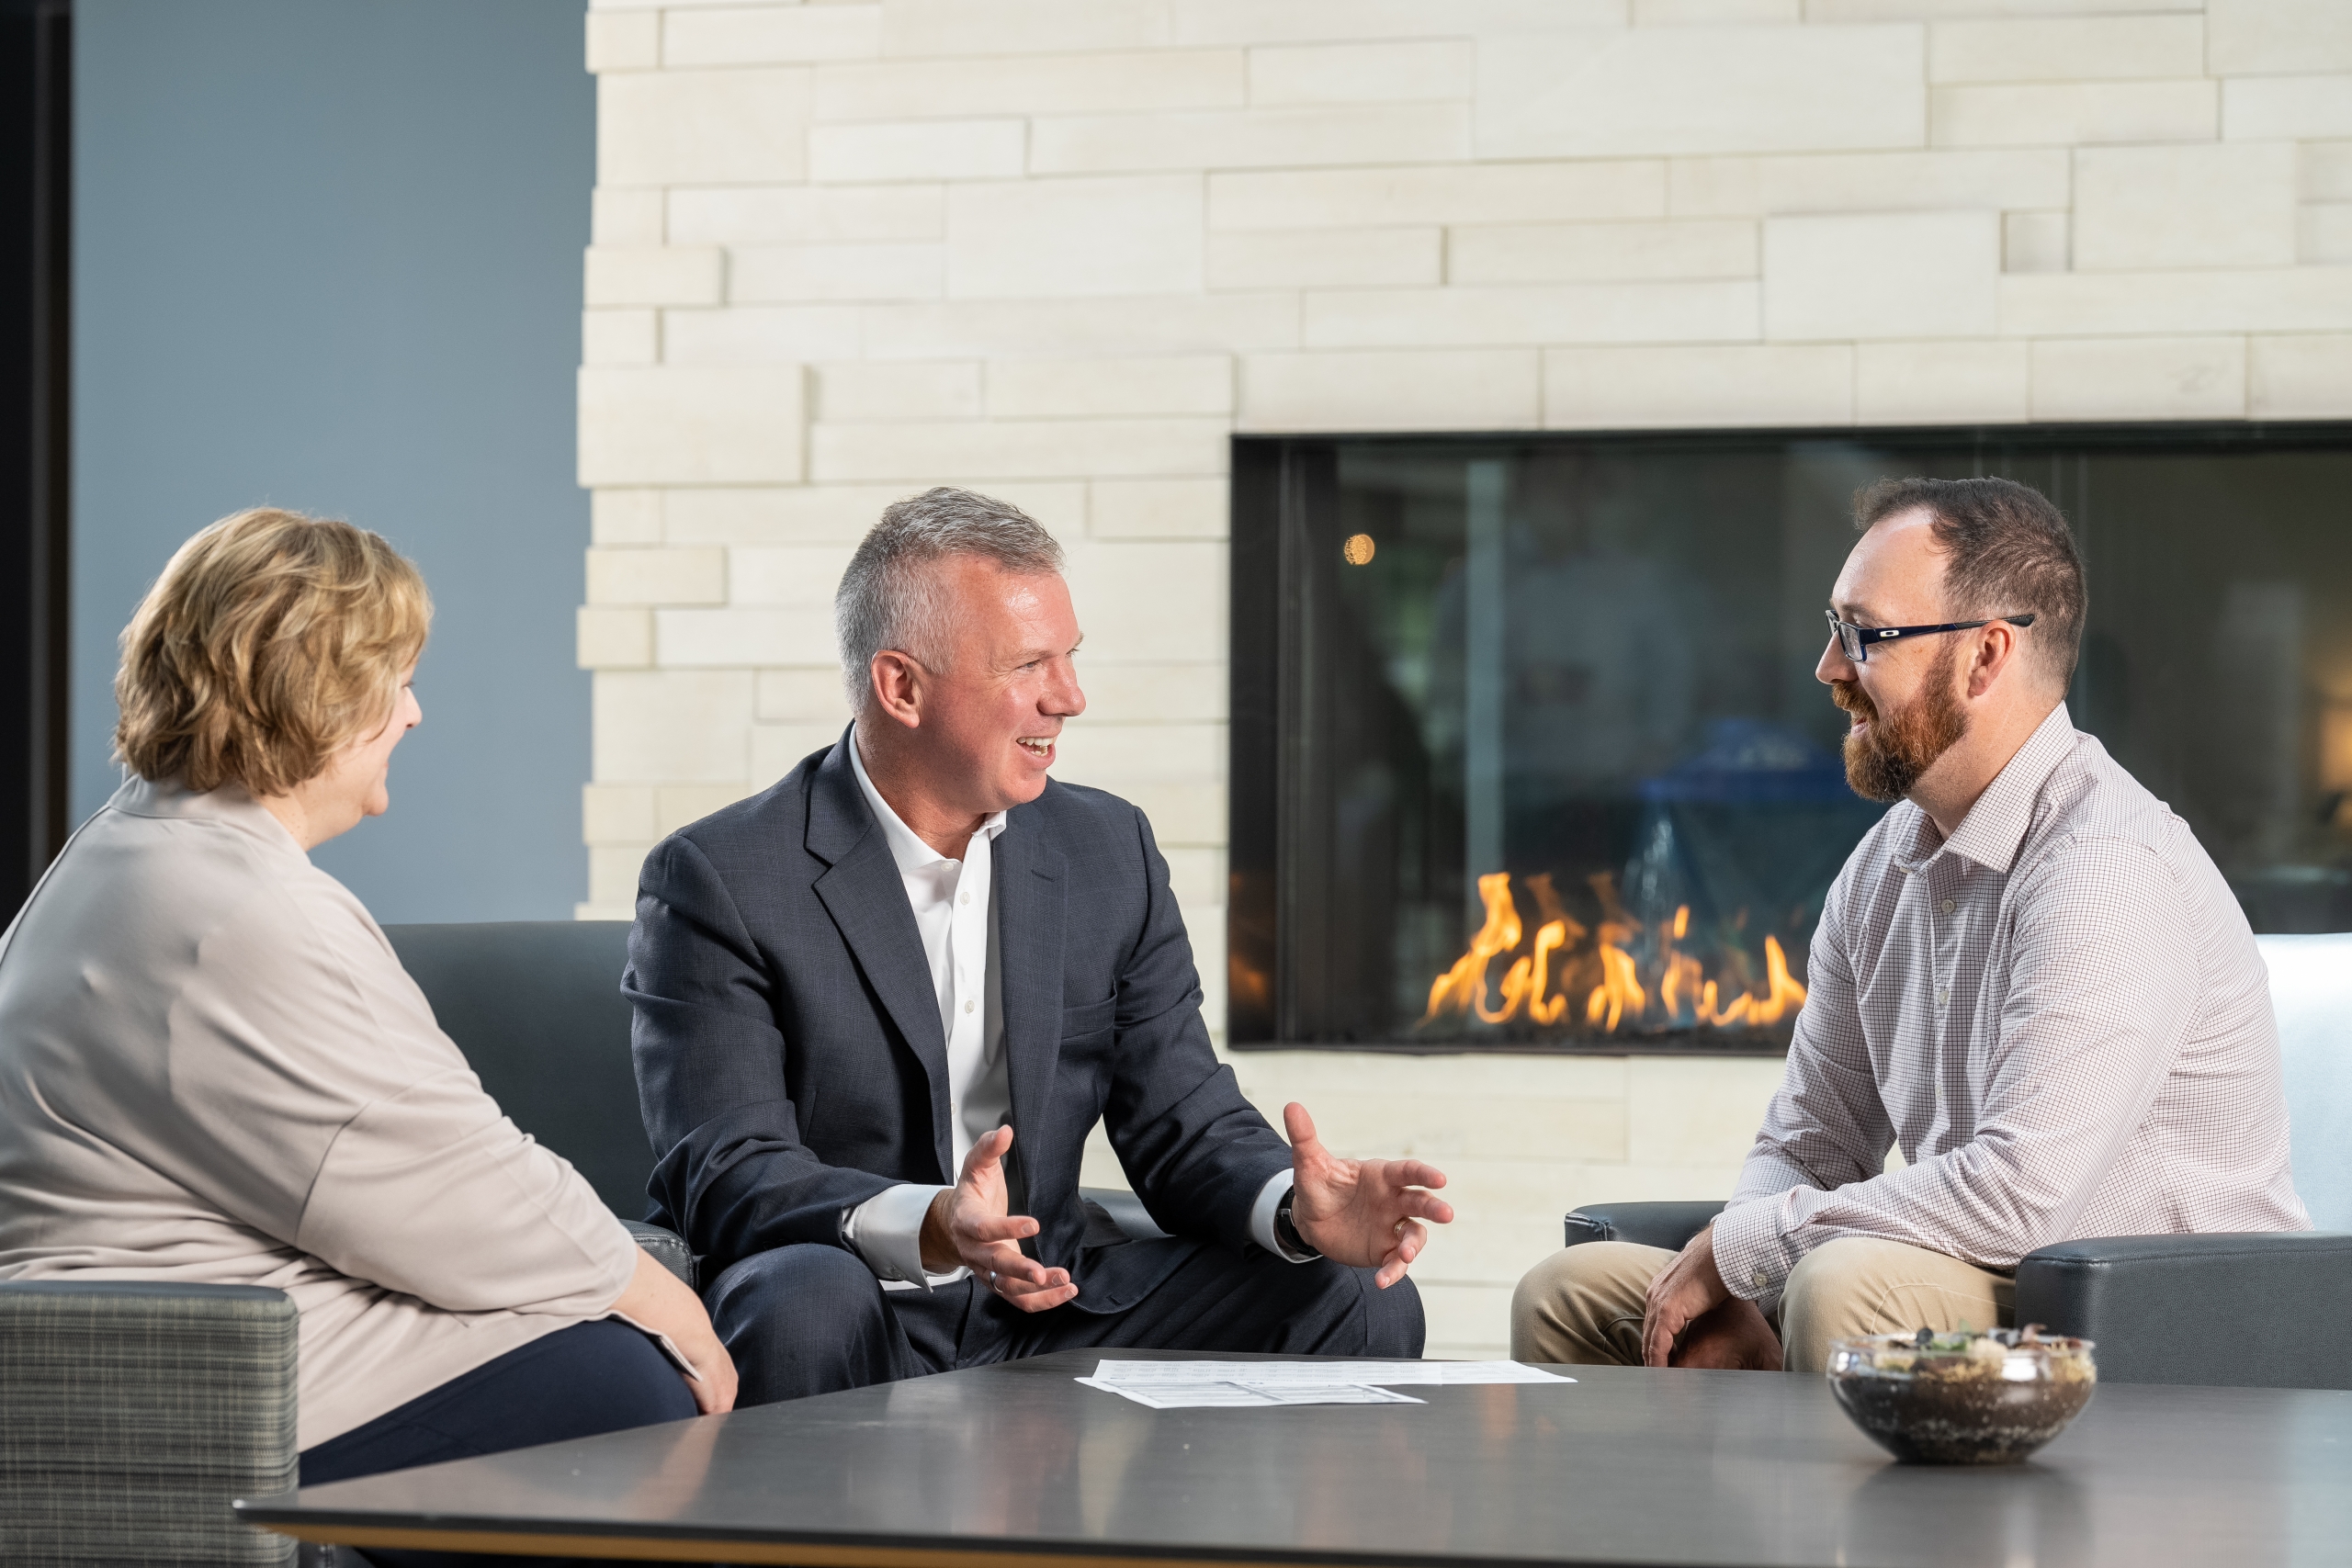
(2058, 1015)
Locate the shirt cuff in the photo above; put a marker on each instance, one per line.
(885, 1232)
(1751, 1254)
(1262, 1219)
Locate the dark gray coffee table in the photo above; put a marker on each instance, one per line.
(981, 1469)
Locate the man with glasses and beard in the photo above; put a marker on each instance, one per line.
(2029, 978)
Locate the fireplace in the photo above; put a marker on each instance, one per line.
(1527, 753)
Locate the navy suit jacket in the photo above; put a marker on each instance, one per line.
(789, 1056)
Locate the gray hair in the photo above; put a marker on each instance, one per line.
(890, 598)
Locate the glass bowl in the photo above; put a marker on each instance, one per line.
(1962, 1398)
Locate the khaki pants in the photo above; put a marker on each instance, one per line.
(1584, 1304)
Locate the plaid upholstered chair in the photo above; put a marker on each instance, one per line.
(132, 1412)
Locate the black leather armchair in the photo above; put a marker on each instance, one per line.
(2242, 1311)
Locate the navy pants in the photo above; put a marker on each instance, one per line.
(811, 1319)
(576, 1383)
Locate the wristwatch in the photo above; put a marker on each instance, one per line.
(1287, 1232)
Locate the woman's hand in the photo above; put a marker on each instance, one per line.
(658, 1300)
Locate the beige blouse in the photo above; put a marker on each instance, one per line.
(214, 1070)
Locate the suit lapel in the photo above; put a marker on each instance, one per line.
(862, 890)
(1027, 900)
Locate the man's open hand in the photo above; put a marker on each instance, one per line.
(1686, 1294)
(1366, 1213)
(968, 1225)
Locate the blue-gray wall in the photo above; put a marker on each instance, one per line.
(327, 256)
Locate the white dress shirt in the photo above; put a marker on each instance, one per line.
(950, 899)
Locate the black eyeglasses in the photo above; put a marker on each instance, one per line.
(1858, 640)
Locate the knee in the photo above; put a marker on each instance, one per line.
(1326, 1308)
(1821, 1288)
(1394, 1324)
(806, 1283)
(1857, 1285)
(641, 1384)
(1542, 1288)
(1534, 1301)
(1573, 1273)
(1569, 1308)
(801, 1320)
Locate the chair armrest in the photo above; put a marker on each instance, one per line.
(1668, 1225)
(1124, 1209)
(669, 1249)
(132, 1413)
(2258, 1310)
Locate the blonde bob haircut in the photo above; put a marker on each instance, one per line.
(271, 642)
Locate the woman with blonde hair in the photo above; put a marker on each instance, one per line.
(214, 1070)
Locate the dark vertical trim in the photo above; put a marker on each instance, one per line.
(36, 263)
(1305, 714)
(1255, 733)
(52, 506)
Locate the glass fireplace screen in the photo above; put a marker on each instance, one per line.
(1528, 750)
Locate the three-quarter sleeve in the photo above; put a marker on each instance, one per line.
(436, 1193)
(323, 1105)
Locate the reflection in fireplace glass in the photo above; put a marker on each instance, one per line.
(1527, 750)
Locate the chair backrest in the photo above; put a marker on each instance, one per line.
(537, 1008)
(2311, 992)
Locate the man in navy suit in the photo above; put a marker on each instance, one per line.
(880, 1006)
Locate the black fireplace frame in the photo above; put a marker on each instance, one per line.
(1276, 479)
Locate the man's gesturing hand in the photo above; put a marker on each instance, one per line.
(968, 1225)
(1364, 1212)
(1725, 1331)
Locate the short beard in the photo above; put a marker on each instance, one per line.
(1886, 761)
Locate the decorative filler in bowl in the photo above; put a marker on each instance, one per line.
(1962, 1398)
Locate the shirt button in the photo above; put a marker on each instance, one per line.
(1761, 1282)
(1947, 906)
(967, 1007)
(1942, 996)
(966, 897)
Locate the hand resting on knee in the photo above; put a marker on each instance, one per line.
(1689, 1318)
(660, 1301)
(1733, 1337)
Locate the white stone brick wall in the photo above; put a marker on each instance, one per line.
(1062, 249)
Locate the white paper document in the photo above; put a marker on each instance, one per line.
(1234, 1393)
(1194, 1385)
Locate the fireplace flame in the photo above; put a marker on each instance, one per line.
(1464, 986)
(1679, 992)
